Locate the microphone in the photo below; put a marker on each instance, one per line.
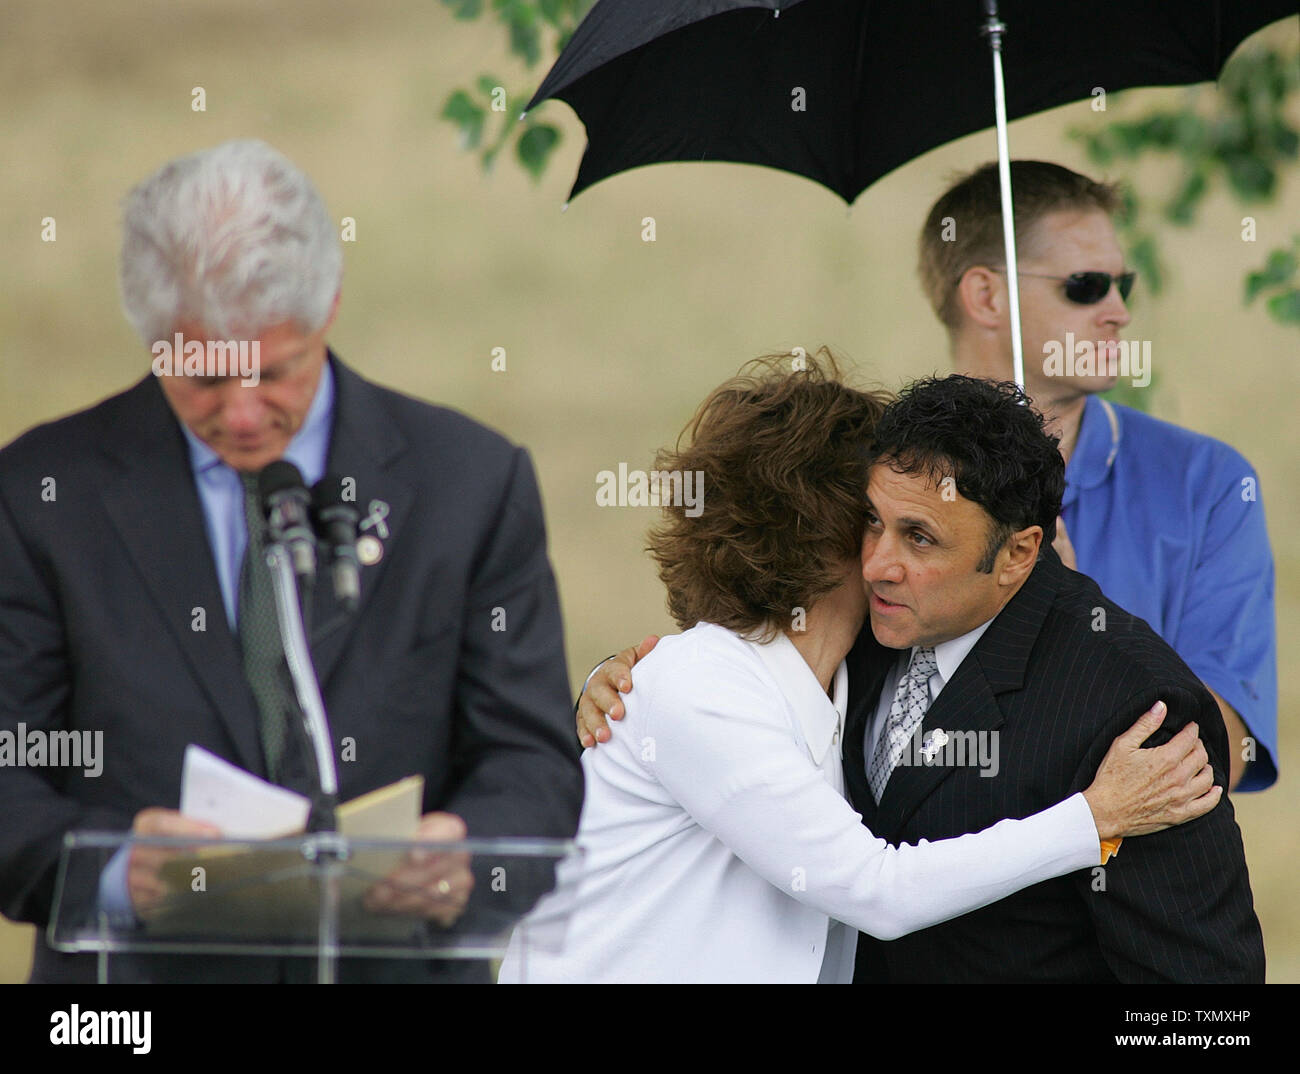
(336, 521)
(285, 500)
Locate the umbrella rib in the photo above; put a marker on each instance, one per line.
(857, 82)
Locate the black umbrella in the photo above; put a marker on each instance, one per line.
(844, 91)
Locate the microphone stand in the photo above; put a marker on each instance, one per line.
(324, 846)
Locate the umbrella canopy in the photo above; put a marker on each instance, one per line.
(844, 91)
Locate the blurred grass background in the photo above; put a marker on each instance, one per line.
(610, 341)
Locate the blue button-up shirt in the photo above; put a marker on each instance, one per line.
(1170, 524)
(221, 491)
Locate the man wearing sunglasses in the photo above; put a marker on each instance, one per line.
(1168, 522)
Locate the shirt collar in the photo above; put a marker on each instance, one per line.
(948, 655)
(308, 448)
(1094, 452)
(819, 717)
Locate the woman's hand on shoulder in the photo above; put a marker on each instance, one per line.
(600, 695)
(1139, 791)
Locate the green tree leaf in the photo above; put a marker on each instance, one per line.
(1285, 307)
(1251, 179)
(1255, 283)
(535, 146)
(1146, 263)
(559, 13)
(1182, 209)
(1191, 133)
(1278, 270)
(468, 116)
(520, 17)
(1157, 131)
(1285, 141)
(465, 9)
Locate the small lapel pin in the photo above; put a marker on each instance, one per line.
(370, 550)
(375, 519)
(934, 742)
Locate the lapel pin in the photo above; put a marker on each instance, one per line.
(370, 546)
(375, 519)
(370, 550)
(934, 742)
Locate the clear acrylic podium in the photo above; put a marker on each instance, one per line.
(300, 896)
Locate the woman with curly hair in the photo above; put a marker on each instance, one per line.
(718, 842)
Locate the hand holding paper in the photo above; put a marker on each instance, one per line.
(220, 800)
(433, 885)
(143, 882)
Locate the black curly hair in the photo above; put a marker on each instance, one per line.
(985, 435)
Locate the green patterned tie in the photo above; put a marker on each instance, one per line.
(259, 632)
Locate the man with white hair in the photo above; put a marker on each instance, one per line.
(134, 600)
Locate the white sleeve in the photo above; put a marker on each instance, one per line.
(723, 748)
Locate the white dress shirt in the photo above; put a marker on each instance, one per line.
(948, 656)
(719, 846)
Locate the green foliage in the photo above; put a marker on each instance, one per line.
(1286, 307)
(465, 9)
(1278, 275)
(534, 147)
(1146, 262)
(468, 116)
(529, 25)
(1245, 143)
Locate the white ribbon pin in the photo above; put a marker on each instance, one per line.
(370, 546)
(933, 743)
(375, 519)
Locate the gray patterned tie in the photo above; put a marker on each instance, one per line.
(911, 699)
(259, 632)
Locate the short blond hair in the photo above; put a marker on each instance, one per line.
(972, 208)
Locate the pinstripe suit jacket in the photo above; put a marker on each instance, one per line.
(1057, 676)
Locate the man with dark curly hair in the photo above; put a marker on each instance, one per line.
(1001, 644)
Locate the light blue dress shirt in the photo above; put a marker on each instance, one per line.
(1170, 524)
(221, 492)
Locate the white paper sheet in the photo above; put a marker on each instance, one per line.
(238, 802)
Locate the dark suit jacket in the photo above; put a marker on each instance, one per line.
(98, 592)
(1056, 683)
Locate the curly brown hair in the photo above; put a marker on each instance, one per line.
(783, 456)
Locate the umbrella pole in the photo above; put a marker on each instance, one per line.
(993, 30)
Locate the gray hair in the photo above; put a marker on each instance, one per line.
(234, 238)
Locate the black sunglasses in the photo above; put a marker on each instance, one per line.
(1089, 288)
